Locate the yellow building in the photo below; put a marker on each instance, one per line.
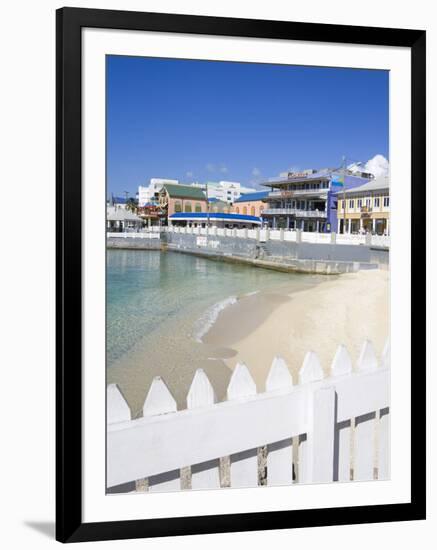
(365, 209)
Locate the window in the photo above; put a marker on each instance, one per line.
(198, 207)
(368, 203)
(386, 202)
(252, 211)
(376, 202)
(360, 203)
(351, 203)
(178, 206)
(188, 207)
(237, 210)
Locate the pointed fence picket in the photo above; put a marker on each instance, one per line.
(333, 428)
(280, 453)
(364, 433)
(342, 366)
(244, 464)
(159, 401)
(205, 475)
(311, 371)
(384, 427)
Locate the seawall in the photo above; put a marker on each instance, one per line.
(323, 258)
(133, 243)
(278, 255)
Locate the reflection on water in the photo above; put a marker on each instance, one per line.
(146, 289)
(155, 302)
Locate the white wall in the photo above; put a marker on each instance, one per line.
(145, 193)
(27, 278)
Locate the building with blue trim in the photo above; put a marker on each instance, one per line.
(214, 219)
(251, 203)
(308, 200)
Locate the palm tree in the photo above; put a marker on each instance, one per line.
(131, 205)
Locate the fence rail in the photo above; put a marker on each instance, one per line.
(338, 427)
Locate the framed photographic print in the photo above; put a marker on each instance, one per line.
(240, 274)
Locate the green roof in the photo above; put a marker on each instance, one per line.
(184, 191)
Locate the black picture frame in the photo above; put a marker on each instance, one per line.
(69, 525)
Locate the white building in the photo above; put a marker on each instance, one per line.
(148, 194)
(226, 191)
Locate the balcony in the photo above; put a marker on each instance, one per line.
(298, 192)
(294, 212)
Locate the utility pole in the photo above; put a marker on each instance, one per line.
(207, 205)
(344, 195)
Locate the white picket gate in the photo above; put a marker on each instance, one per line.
(320, 430)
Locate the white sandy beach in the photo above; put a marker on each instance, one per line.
(347, 310)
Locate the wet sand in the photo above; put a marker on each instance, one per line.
(287, 321)
(347, 310)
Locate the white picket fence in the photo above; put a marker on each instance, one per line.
(285, 235)
(320, 430)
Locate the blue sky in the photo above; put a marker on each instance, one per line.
(203, 120)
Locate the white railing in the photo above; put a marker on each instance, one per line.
(381, 240)
(290, 235)
(324, 238)
(349, 238)
(295, 212)
(291, 193)
(325, 418)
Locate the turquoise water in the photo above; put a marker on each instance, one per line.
(150, 293)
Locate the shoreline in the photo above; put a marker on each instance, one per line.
(289, 317)
(347, 310)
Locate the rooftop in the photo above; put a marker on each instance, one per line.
(253, 196)
(324, 174)
(184, 191)
(378, 184)
(120, 214)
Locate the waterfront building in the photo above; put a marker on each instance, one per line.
(150, 213)
(149, 194)
(214, 219)
(120, 219)
(307, 200)
(252, 204)
(176, 198)
(366, 208)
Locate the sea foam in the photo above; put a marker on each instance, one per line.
(210, 316)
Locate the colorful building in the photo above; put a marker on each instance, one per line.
(149, 195)
(252, 204)
(175, 198)
(307, 200)
(365, 209)
(214, 219)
